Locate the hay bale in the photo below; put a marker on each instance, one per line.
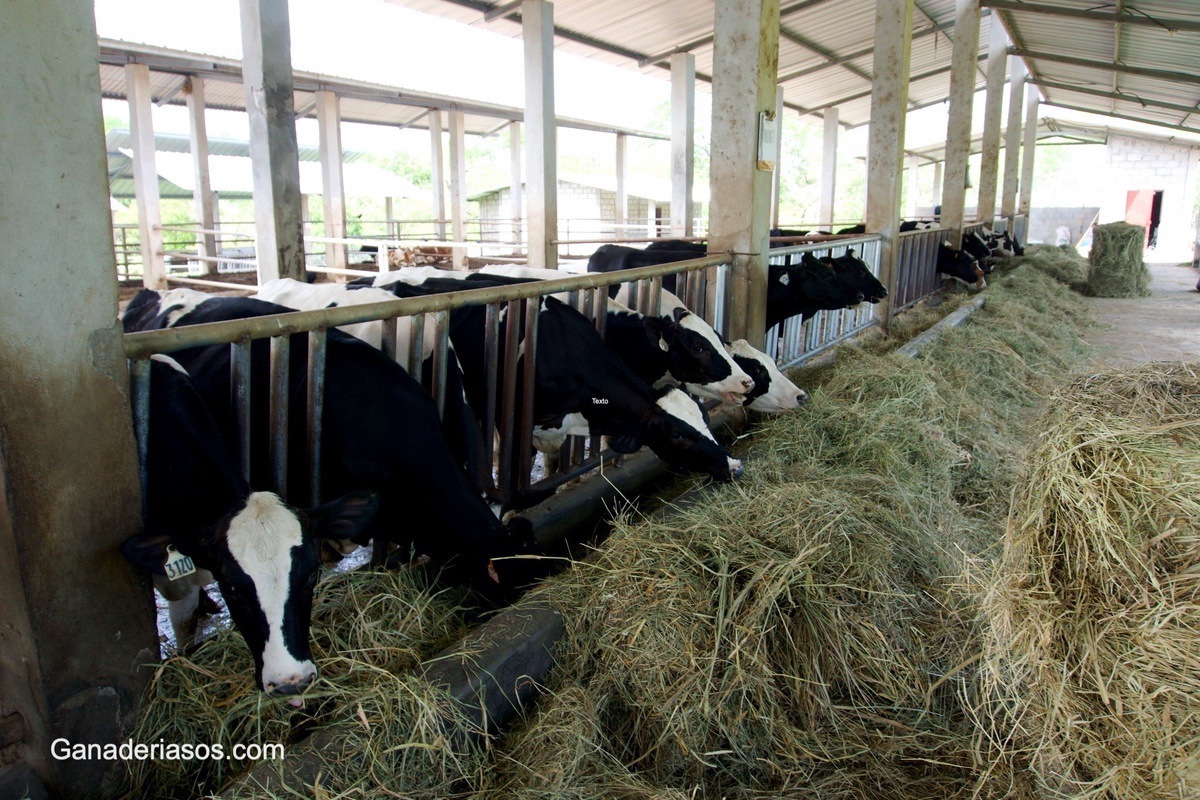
(1093, 613)
(1063, 263)
(1117, 269)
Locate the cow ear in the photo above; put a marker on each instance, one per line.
(147, 551)
(660, 331)
(345, 517)
(680, 313)
(625, 443)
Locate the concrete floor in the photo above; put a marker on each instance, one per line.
(1162, 327)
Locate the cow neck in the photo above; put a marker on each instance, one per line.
(626, 335)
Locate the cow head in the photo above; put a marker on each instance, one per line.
(772, 392)
(264, 556)
(960, 266)
(854, 274)
(697, 358)
(675, 427)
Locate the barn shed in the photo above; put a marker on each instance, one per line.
(761, 640)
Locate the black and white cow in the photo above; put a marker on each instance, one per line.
(853, 229)
(262, 552)
(959, 265)
(580, 382)
(380, 432)
(916, 225)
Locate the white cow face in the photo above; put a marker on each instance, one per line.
(773, 392)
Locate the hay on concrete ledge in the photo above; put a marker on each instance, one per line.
(1063, 263)
(1117, 269)
(1094, 611)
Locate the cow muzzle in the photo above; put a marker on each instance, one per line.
(735, 468)
(292, 684)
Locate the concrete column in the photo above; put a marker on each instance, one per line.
(938, 167)
(745, 68)
(913, 191)
(333, 187)
(1012, 138)
(990, 162)
(829, 168)
(516, 190)
(651, 219)
(1031, 124)
(145, 176)
(541, 151)
(202, 196)
(389, 216)
(75, 621)
(683, 119)
(963, 62)
(885, 157)
(458, 185)
(778, 171)
(622, 215)
(436, 167)
(274, 157)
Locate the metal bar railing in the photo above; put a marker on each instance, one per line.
(916, 266)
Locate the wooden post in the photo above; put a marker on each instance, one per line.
(541, 158)
(202, 194)
(437, 178)
(1012, 139)
(990, 162)
(1031, 125)
(145, 176)
(458, 186)
(963, 60)
(889, 104)
(622, 200)
(516, 187)
(829, 168)
(683, 119)
(333, 186)
(274, 156)
(75, 620)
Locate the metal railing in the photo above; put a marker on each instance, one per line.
(916, 266)
(506, 421)
(799, 341)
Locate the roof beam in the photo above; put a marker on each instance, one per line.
(502, 10)
(1146, 72)
(860, 95)
(686, 47)
(1125, 117)
(1123, 96)
(866, 51)
(1124, 17)
(828, 55)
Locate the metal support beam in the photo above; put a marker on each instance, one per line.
(458, 185)
(436, 167)
(829, 168)
(993, 105)
(541, 153)
(777, 172)
(1012, 139)
(745, 65)
(1120, 69)
(622, 212)
(889, 102)
(857, 54)
(516, 188)
(958, 127)
(202, 195)
(683, 118)
(274, 156)
(1128, 97)
(1124, 18)
(145, 176)
(333, 191)
(1030, 146)
(1164, 125)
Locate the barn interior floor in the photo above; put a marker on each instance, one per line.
(1162, 327)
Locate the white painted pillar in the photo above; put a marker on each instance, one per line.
(885, 157)
(829, 168)
(436, 174)
(745, 69)
(516, 188)
(389, 216)
(963, 61)
(683, 119)
(622, 213)
(1031, 124)
(202, 198)
(938, 167)
(778, 171)
(990, 162)
(1012, 138)
(333, 186)
(913, 190)
(274, 156)
(458, 185)
(651, 219)
(145, 176)
(541, 152)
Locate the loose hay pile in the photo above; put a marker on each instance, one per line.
(1094, 611)
(804, 631)
(1117, 269)
(1063, 263)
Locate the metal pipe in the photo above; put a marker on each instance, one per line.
(387, 338)
(508, 409)
(491, 357)
(532, 306)
(441, 355)
(416, 345)
(316, 411)
(239, 383)
(280, 354)
(139, 390)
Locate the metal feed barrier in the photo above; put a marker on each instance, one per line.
(506, 422)
(916, 266)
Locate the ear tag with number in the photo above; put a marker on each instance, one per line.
(662, 345)
(177, 564)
